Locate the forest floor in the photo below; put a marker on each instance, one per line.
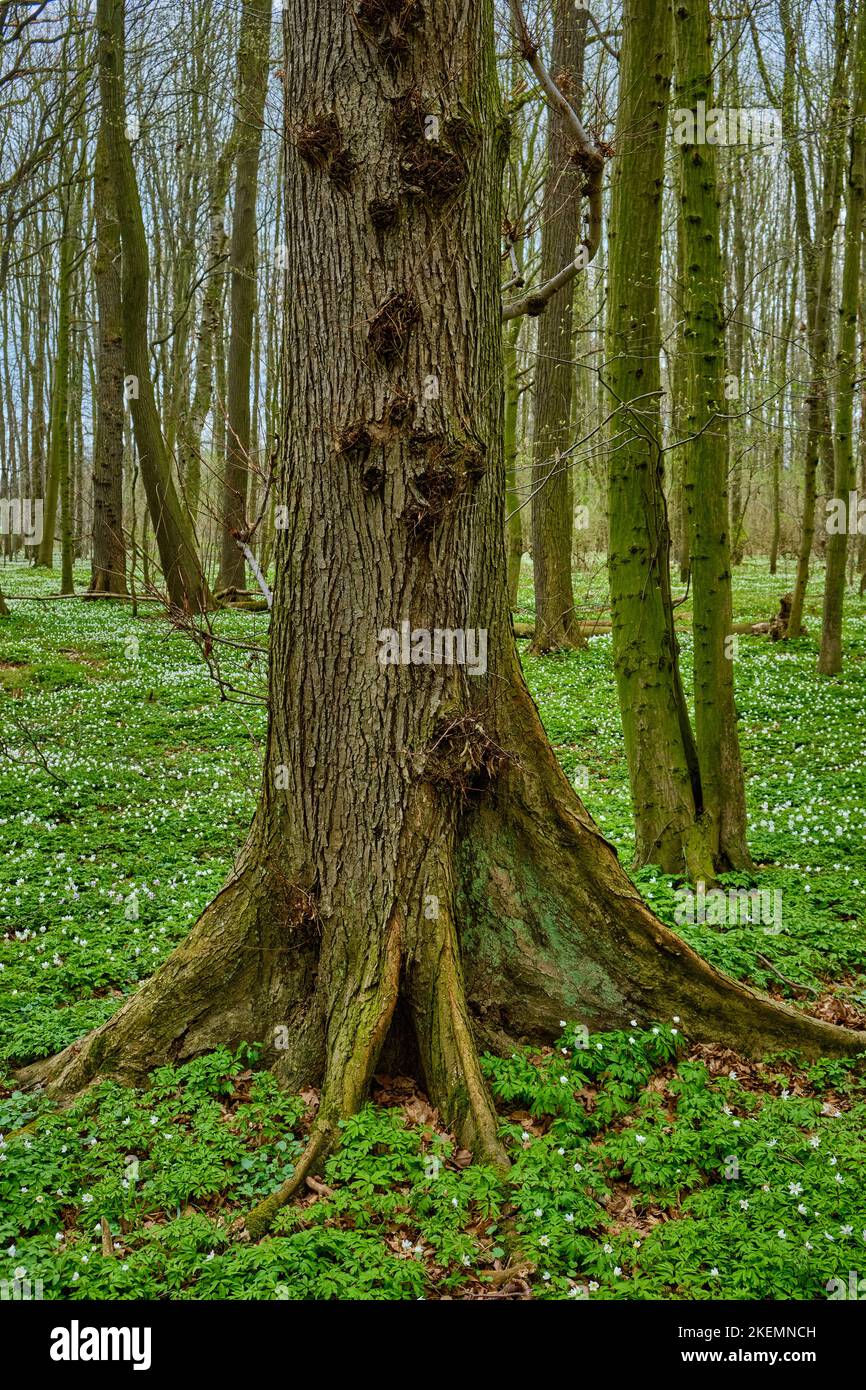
(643, 1167)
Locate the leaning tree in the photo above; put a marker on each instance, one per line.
(420, 880)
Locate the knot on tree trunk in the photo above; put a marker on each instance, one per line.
(391, 325)
(463, 757)
(390, 23)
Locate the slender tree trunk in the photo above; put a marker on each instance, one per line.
(737, 357)
(513, 524)
(71, 397)
(817, 259)
(253, 52)
(662, 758)
(474, 901)
(192, 424)
(552, 492)
(108, 565)
(181, 567)
(58, 444)
(861, 534)
(706, 456)
(830, 657)
(37, 421)
(679, 375)
(789, 306)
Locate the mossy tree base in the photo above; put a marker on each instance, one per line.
(535, 922)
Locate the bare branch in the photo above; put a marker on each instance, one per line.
(589, 155)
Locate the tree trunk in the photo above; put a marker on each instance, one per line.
(513, 523)
(181, 567)
(706, 456)
(662, 758)
(679, 372)
(552, 491)
(253, 52)
(193, 420)
(861, 535)
(420, 878)
(37, 421)
(830, 657)
(789, 306)
(817, 257)
(737, 357)
(108, 564)
(58, 440)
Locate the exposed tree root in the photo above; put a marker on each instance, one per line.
(355, 1038)
(239, 974)
(534, 921)
(553, 928)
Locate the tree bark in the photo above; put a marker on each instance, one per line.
(108, 564)
(706, 457)
(662, 757)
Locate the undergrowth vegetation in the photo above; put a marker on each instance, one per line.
(643, 1167)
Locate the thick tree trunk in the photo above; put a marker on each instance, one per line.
(552, 491)
(253, 52)
(108, 564)
(420, 879)
(830, 657)
(181, 567)
(706, 455)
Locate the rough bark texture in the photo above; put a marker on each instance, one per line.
(552, 491)
(706, 457)
(420, 878)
